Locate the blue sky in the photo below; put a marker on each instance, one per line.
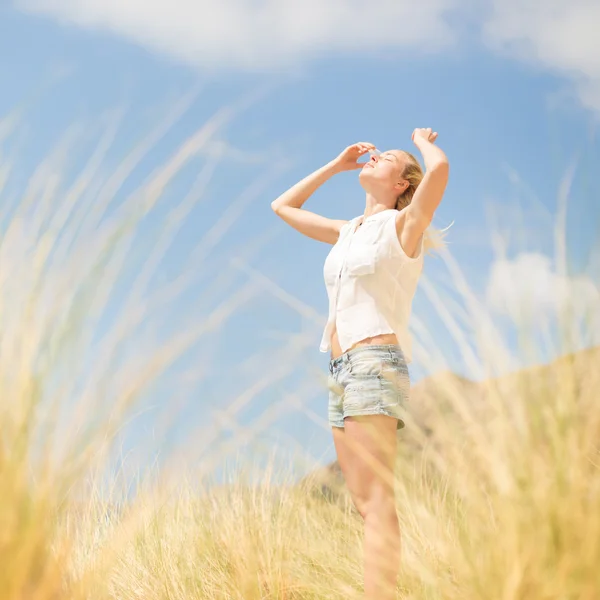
(513, 90)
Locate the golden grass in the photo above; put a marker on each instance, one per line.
(503, 508)
(498, 485)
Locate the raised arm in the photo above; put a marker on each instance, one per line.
(428, 196)
(289, 205)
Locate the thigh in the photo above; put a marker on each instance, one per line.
(366, 450)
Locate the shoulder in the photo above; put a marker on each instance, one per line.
(349, 225)
(344, 228)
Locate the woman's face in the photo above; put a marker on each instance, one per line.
(384, 172)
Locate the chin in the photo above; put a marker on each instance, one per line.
(367, 175)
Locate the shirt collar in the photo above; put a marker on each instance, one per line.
(373, 216)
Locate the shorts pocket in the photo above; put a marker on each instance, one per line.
(367, 366)
(389, 371)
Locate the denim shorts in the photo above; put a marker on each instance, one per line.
(368, 380)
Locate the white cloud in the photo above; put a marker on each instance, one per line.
(261, 34)
(529, 289)
(558, 35)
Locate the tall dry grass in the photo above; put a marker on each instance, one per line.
(498, 489)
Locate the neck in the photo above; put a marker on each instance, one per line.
(377, 204)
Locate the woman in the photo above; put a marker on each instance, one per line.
(371, 275)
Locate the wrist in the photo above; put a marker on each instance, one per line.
(421, 142)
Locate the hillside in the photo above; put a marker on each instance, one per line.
(455, 401)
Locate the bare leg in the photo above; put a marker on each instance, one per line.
(366, 451)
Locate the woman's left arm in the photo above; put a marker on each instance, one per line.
(427, 198)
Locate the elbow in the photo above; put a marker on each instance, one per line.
(440, 166)
(440, 171)
(275, 207)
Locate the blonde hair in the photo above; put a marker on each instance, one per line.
(434, 239)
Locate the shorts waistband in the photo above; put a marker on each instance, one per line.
(345, 358)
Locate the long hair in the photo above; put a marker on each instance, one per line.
(434, 239)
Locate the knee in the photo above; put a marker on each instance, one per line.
(378, 502)
(361, 504)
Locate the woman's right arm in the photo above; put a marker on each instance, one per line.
(289, 205)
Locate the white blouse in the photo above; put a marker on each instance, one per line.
(371, 283)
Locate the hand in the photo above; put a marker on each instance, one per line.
(348, 159)
(424, 134)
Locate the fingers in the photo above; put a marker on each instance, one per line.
(425, 133)
(363, 147)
